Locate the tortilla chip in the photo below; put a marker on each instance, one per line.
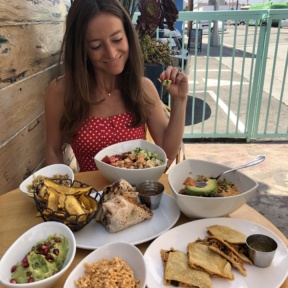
(228, 234)
(203, 258)
(177, 271)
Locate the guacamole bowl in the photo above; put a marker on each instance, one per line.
(136, 175)
(195, 207)
(61, 252)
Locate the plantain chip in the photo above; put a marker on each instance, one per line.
(93, 203)
(73, 206)
(53, 199)
(43, 192)
(85, 203)
(66, 190)
(61, 203)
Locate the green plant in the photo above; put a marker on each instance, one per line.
(154, 14)
(155, 52)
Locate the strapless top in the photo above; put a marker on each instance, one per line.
(98, 133)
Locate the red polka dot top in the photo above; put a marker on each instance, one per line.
(98, 133)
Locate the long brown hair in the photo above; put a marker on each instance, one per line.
(80, 80)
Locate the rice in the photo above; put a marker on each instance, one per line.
(108, 273)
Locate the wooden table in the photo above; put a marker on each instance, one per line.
(18, 214)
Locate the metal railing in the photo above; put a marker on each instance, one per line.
(238, 81)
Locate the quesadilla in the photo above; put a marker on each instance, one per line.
(234, 238)
(225, 250)
(177, 271)
(202, 258)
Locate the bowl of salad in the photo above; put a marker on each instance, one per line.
(134, 161)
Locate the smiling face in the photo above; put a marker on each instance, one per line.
(107, 44)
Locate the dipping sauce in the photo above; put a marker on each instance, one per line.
(263, 247)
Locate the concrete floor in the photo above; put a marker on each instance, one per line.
(271, 198)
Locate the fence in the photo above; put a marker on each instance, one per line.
(237, 81)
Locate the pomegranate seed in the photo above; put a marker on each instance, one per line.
(45, 251)
(48, 257)
(56, 252)
(13, 281)
(30, 280)
(25, 263)
(57, 240)
(25, 260)
(13, 268)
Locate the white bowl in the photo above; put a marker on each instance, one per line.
(130, 254)
(133, 176)
(23, 245)
(208, 207)
(47, 171)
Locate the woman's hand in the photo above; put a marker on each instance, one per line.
(179, 86)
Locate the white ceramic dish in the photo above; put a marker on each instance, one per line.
(24, 244)
(94, 235)
(132, 176)
(209, 207)
(47, 171)
(130, 254)
(178, 238)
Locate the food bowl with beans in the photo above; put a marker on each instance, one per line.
(134, 161)
(60, 172)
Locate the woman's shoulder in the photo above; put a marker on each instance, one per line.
(149, 87)
(56, 90)
(58, 83)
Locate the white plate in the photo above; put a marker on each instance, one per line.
(94, 235)
(178, 238)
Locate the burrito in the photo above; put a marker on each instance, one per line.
(119, 208)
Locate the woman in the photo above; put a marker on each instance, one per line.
(103, 98)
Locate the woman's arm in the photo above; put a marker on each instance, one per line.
(168, 133)
(54, 109)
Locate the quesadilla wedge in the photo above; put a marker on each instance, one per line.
(228, 234)
(234, 238)
(202, 258)
(225, 250)
(177, 271)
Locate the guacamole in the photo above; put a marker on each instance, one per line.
(45, 259)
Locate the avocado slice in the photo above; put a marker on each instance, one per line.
(209, 190)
